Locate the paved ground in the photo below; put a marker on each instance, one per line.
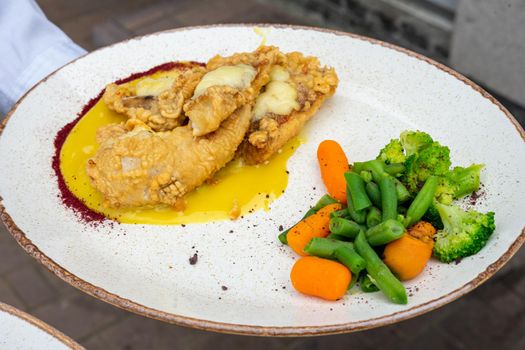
(493, 316)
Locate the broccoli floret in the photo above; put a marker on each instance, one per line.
(458, 182)
(431, 160)
(392, 153)
(432, 216)
(466, 179)
(446, 190)
(464, 233)
(414, 141)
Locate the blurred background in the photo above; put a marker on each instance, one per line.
(484, 39)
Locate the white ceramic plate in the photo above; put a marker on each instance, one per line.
(19, 330)
(384, 90)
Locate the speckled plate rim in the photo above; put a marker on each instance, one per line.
(231, 328)
(61, 337)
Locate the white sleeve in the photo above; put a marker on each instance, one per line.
(31, 47)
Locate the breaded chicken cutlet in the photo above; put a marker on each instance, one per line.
(183, 129)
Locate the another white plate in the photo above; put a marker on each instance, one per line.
(19, 330)
(383, 90)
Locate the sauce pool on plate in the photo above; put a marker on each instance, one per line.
(236, 186)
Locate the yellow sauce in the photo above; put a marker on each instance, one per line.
(250, 188)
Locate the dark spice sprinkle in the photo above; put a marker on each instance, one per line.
(224, 288)
(193, 259)
(183, 225)
(267, 196)
(287, 172)
(281, 227)
(231, 231)
(457, 261)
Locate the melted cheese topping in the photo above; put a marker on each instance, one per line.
(279, 97)
(155, 86)
(239, 76)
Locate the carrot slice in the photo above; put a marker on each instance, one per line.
(319, 277)
(333, 164)
(407, 256)
(316, 225)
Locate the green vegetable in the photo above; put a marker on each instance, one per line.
(383, 278)
(414, 141)
(356, 184)
(343, 213)
(321, 203)
(357, 216)
(373, 217)
(366, 175)
(337, 237)
(422, 202)
(344, 252)
(395, 169)
(401, 191)
(392, 153)
(431, 160)
(464, 233)
(373, 193)
(367, 285)
(385, 232)
(344, 227)
(387, 187)
(458, 182)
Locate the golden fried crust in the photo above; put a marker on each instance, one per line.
(207, 111)
(142, 167)
(314, 84)
(162, 112)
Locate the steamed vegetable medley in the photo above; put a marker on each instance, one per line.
(384, 219)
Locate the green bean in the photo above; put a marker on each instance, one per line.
(373, 217)
(395, 168)
(356, 184)
(344, 227)
(422, 202)
(385, 232)
(377, 168)
(388, 197)
(383, 278)
(401, 191)
(337, 237)
(357, 216)
(367, 285)
(358, 167)
(343, 213)
(322, 247)
(366, 175)
(321, 203)
(373, 193)
(401, 210)
(347, 256)
(344, 252)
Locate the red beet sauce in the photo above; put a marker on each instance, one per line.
(84, 213)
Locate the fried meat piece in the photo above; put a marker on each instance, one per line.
(142, 167)
(157, 102)
(229, 83)
(297, 89)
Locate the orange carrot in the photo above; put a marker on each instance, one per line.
(316, 225)
(322, 278)
(408, 256)
(333, 164)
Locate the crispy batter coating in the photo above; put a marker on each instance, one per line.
(314, 84)
(143, 167)
(208, 110)
(160, 110)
